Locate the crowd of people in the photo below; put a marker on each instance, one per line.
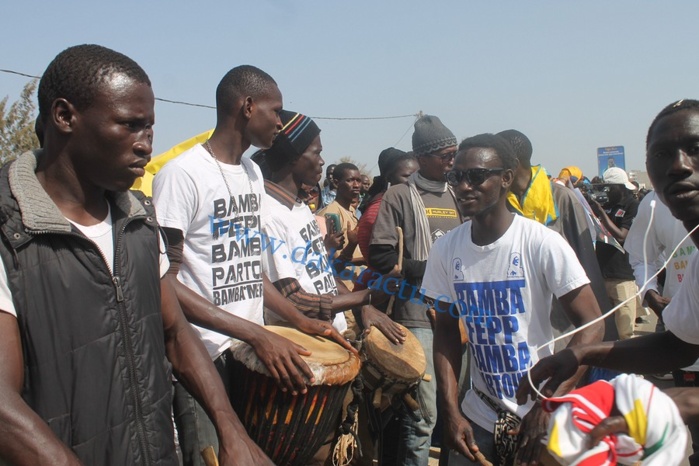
(118, 311)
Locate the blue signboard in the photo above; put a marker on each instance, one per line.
(608, 157)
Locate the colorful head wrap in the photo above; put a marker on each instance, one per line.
(298, 132)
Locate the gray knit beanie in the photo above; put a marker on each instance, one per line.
(431, 136)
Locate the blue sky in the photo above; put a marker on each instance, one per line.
(573, 76)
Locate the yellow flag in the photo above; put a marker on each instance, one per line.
(145, 184)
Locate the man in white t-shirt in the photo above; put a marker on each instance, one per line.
(86, 319)
(298, 263)
(672, 161)
(664, 233)
(498, 273)
(209, 202)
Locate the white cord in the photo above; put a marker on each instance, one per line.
(615, 308)
(645, 251)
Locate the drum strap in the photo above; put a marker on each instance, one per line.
(505, 444)
(343, 453)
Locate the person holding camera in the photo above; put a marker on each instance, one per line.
(617, 214)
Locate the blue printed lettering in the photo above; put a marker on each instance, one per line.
(493, 326)
(509, 355)
(510, 326)
(507, 385)
(492, 359)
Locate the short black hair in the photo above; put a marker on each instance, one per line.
(329, 167)
(380, 183)
(77, 73)
(340, 170)
(495, 142)
(684, 104)
(241, 81)
(521, 146)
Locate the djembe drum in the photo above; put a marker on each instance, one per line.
(290, 429)
(391, 370)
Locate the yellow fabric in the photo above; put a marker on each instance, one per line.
(145, 184)
(554, 444)
(567, 172)
(637, 420)
(537, 202)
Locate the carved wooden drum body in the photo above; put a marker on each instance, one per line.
(290, 429)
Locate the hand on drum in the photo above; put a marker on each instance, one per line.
(532, 430)
(282, 358)
(372, 317)
(324, 329)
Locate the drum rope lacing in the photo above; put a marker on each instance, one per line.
(348, 440)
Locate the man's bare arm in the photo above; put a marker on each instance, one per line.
(447, 364)
(285, 308)
(580, 305)
(370, 316)
(648, 354)
(25, 438)
(195, 370)
(281, 357)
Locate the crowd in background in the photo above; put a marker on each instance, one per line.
(121, 314)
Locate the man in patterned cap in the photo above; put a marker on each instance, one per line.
(425, 209)
(299, 265)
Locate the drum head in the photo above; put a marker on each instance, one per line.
(330, 363)
(323, 351)
(403, 362)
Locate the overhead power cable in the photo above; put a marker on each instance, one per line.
(20, 74)
(179, 102)
(189, 104)
(366, 118)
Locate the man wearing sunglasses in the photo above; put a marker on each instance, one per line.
(498, 274)
(425, 209)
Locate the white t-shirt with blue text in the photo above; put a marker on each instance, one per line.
(503, 291)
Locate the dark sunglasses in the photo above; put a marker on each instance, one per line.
(473, 176)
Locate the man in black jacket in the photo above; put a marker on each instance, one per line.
(86, 321)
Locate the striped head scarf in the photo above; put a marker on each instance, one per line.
(298, 131)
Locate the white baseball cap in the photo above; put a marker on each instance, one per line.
(616, 175)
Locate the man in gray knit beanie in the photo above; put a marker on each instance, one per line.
(425, 209)
(431, 136)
